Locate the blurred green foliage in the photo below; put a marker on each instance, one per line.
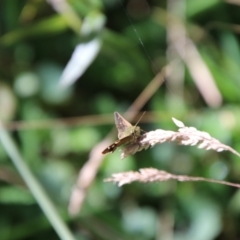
(36, 43)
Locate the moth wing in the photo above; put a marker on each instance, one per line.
(122, 125)
(110, 148)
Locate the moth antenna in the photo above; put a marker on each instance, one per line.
(138, 122)
(140, 119)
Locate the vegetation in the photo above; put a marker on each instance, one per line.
(66, 67)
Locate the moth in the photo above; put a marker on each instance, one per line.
(126, 133)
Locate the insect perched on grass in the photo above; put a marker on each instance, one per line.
(126, 133)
